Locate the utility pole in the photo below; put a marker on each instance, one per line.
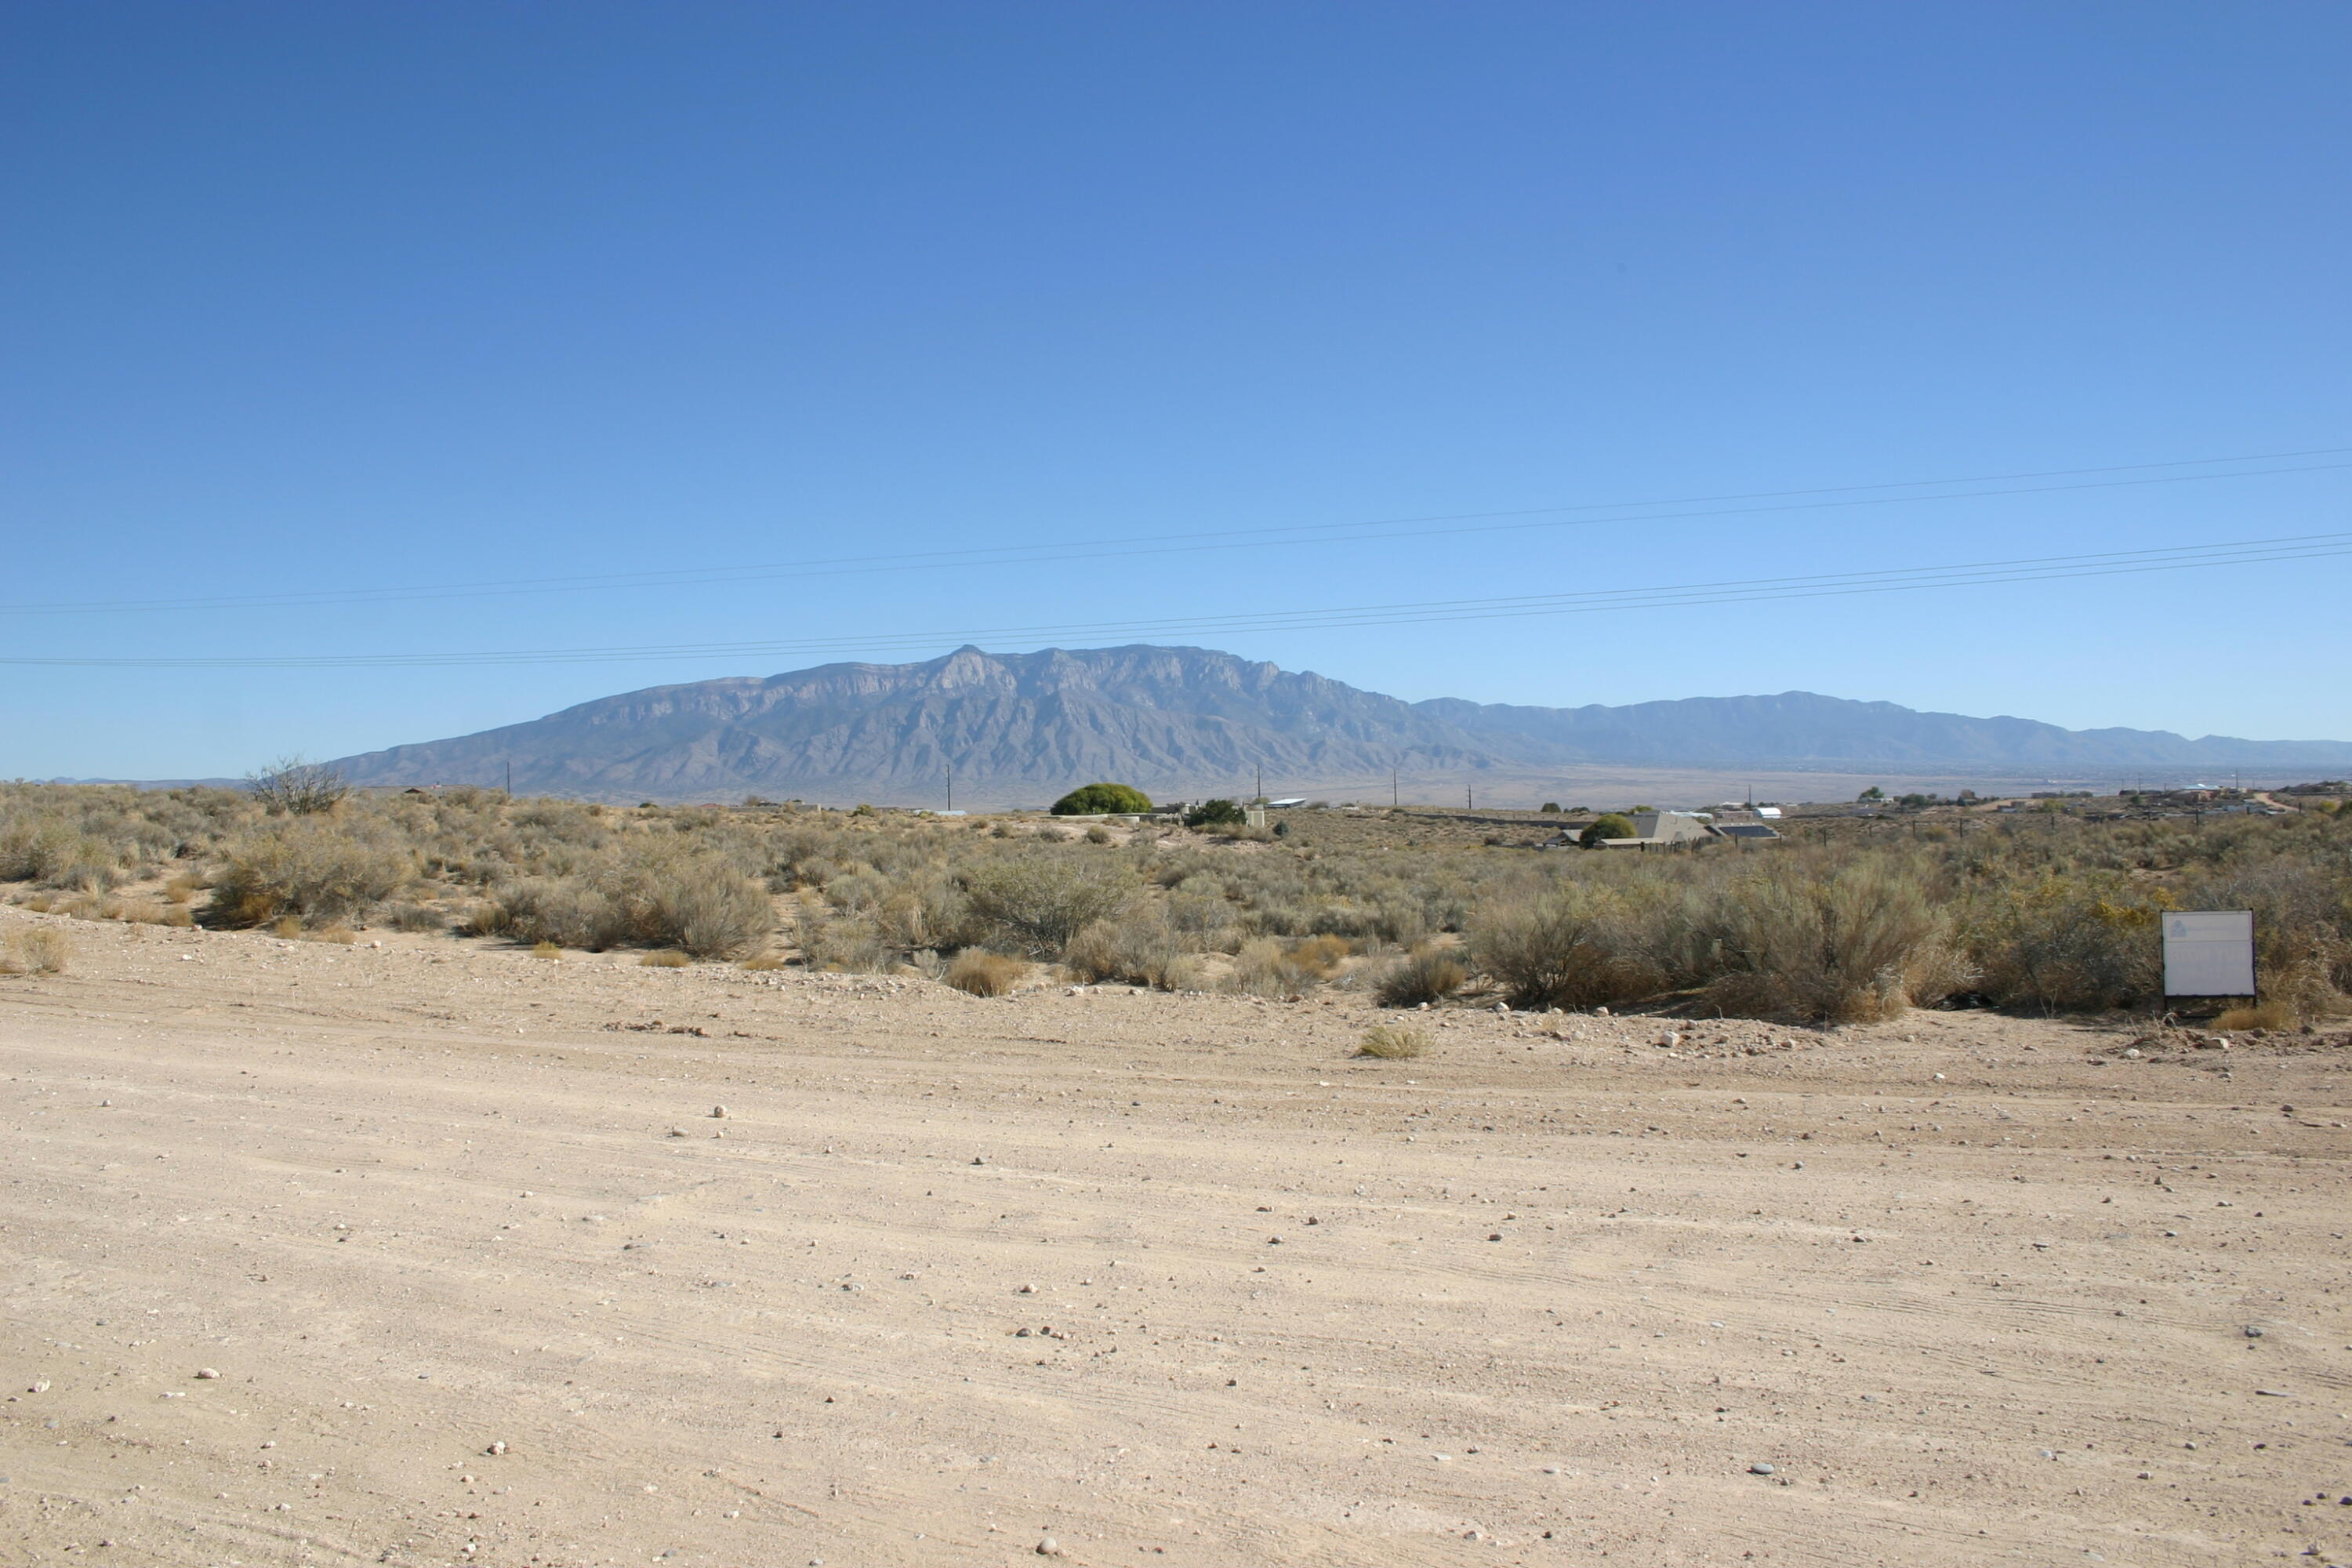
(950, 805)
(509, 777)
(1261, 780)
(1469, 801)
(1392, 790)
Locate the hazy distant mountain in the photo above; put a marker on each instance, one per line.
(1179, 721)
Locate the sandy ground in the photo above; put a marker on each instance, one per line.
(297, 1236)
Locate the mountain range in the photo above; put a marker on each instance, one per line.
(1178, 722)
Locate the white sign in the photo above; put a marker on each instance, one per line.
(2209, 953)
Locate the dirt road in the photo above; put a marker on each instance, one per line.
(410, 1255)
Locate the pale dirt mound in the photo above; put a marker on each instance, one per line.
(1167, 1279)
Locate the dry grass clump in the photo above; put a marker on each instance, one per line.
(1429, 976)
(546, 950)
(2261, 1016)
(337, 932)
(984, 974)
(288, 927)
(664, 958)
(416, 917)
(760, 962)
(1392, 1042)
(37, 951)
(1269, 966)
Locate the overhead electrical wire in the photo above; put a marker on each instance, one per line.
(2299, 547)
(1359, 531)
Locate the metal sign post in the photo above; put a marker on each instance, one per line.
(2209, 953)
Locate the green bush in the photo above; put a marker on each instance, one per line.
(1095, 799)
(1216, 813)
(1613, 825)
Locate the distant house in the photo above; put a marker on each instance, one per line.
(1747, 833)
(1664, 830)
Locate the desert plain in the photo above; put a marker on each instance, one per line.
(427, 1251)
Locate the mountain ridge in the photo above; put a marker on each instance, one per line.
(1181, 720)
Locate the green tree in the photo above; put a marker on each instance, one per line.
(1095, 799)
(1215, 813)
(1612, 826)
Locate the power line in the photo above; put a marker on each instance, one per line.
(2300, 547)
(1359, 531)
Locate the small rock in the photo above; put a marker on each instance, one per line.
(1759, 1469)
(719, 1113)
(978, 1160)
(677, 1132)
(2253, 1332)
(1049, 1547)
(496, 1449)
(1026, 1291)
(207, 1373)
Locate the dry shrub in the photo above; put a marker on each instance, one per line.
(1571, 945)
(177, 916)
(2069, 944)
(760, 962)
(985, 973)
(1320, 956)
(1039, 902)
(414, 917)
(1430, 975)
(1141, 946)
(1098, 834)
(844, 944)
(54, 853)
(1392, 1042)
(37, 951)
(664, 958)
(2303, 924)
(1855, 944)
(2262, 1016)
(931, 912)
(1268, 966)
(185, 887)
(562, 909)
(546, 950)
(660, 895)
(286, 926)
(306, 868)
(338, 933)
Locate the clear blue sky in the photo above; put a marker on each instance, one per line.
(305, 299)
